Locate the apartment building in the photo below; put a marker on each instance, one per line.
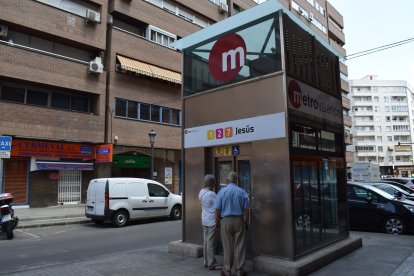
(84, 82)
(383, 124)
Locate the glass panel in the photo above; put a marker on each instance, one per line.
(80, 103)
(132, 110)
(60, 100)
(249, 51)
(223, 170)
(120, 107)
(166, 115)
(12, 94)
(37, 98)
(144, 110)
(175, 117)
(155, 113)
(244, 175)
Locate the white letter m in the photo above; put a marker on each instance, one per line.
(232, 54)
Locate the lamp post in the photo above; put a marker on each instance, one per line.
(151, 136)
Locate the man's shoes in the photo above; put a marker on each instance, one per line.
(225, 273)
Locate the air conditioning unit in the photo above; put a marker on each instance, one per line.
(96, 66)
(93, 16)
(224, 8)
(300, 10)
(310, 17)
(3, 31)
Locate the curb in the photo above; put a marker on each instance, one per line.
(52, 222)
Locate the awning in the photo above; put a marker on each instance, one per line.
(64, 166)
(146, 69)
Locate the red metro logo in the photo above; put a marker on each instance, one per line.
(295, 94)
(227, 57)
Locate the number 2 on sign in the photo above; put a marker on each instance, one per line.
(219, 133)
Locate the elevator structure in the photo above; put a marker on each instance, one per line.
(262, 97)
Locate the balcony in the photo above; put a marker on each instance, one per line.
(347, 120)
(28, 65)
(346, 103)
(349, 155)
(345, 86)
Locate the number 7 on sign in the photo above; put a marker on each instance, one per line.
(228, 132)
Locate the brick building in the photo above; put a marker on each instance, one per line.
(81, 77)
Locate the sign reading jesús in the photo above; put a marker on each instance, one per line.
(309, 100)
(227, 57)
(245, 130)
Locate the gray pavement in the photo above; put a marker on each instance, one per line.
(381, 254)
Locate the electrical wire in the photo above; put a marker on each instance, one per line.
(377, 49)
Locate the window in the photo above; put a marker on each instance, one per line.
(37, 98)
(360, 194)
(161, 37)
(155, 113)
(389, 138)
(144, 112)
(147, 112)
(155, 190)
(79, 103)
(44, 97)
(120, 107)
(72, 6)
(380, 149)
(379, 138)
(12, 94)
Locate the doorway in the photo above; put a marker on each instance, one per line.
(241, 165)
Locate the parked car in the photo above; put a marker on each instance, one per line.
(393, 190)
(370, 208)
(409, 182)
(399, 185)
(122, 199)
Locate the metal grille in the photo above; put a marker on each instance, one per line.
(69, 186)
(308, 61)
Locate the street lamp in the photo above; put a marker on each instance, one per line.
(151, 136)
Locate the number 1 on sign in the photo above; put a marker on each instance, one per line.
(210, 134)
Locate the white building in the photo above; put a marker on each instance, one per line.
(383, 124)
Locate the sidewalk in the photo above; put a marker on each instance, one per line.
(50, 216)
(381, 254)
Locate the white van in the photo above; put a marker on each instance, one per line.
(122, 199)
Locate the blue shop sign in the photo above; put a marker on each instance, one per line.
(5, 143)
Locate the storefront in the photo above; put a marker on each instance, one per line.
(277, 121)
(44, 173)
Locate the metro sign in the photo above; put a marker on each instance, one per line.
(227, 57)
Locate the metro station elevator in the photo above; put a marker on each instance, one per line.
(263, 98)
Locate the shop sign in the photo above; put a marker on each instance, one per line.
(104, 153)
(133, 162)
(4, 154)
(5, 143)
(56, 150)
(306, 99)
(53, 176)
(233, 132)
(227, 150)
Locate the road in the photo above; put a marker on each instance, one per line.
(39, 249)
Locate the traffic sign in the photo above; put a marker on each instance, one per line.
(4, 154)
(5, 143)
(235, 150)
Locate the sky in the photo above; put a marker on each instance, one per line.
(372, 23)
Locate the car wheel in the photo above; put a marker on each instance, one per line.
(120, 219)
(9, 233)
(394, 225)
(303, 220)
(176, 213)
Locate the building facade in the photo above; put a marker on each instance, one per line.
(383, 124)
(84, 79)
